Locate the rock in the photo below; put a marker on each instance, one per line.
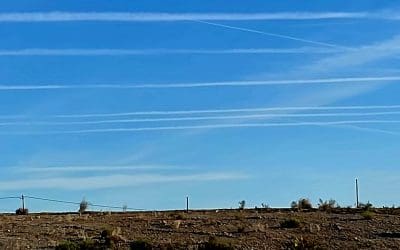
(314, 228)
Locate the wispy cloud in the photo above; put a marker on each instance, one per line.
(356, 57)
(138, 52)
(174, 17)
(114, 181)
(344, 80)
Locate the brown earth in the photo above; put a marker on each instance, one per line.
(242, 229)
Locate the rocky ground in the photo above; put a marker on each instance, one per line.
(232, 229)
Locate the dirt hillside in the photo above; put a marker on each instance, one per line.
(227, 229)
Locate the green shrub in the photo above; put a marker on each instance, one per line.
(367, 215)
(83, 245)
(290, 223)
(68, 245)
(216, 244)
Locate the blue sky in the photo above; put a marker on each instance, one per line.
(146, 103)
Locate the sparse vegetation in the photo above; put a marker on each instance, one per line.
(231, 228)
(302, 203)
(365, 206)
(107, 240)
(264, 205)
(179, 216)
(216, 244)
(82, 245)
(68, 245)
(301, 243)
(367, 215)
(290, 223)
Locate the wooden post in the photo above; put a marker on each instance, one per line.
(357, 202)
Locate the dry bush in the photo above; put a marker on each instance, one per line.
(83, 206)
(290, 223)
(141, 245)
(302, 243)
(22, 211)
(302, 203)
(242, 204)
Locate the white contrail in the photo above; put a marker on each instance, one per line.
(173, 17)
(133, 52)
(198, 118)
(273, 35)
(210, 126)
(212, 111)
(204, 84)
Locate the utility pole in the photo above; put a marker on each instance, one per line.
(23, 202)
(357, 203)
(187, 204)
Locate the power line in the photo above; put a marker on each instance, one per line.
(71, 202)
(52, 200)
(9, 197)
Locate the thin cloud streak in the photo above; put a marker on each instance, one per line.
(114, 181)
(359, 80)
(209, 126)
(197, 118)
(109, 168)
(173, 17)
(144, 52)
(374, 130)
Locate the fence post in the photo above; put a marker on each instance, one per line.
(357, 203)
